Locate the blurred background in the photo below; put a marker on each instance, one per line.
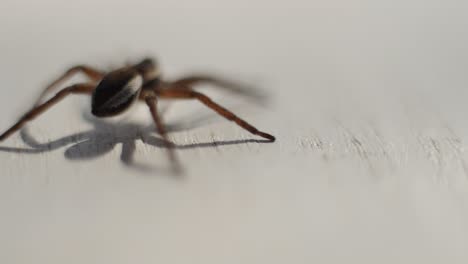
(366, 99)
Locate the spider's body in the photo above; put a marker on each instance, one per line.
(114, 92)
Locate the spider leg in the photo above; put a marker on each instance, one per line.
(189, 81)
(189, 94)
(84, 88)
(151, 101)
(93, 74)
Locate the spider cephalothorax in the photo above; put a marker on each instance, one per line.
(114, 92)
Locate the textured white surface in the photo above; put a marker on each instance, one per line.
(368, 103)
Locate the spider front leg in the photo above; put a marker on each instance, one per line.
(190, 94)
(93, 75)
(84, 88)
(190, 81)
(151, 101)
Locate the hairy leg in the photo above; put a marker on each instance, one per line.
(190, 81)
(93, 74)
(152, 104)
(189, 94)
(84, 88)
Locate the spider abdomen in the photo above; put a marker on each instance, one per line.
(116, 92)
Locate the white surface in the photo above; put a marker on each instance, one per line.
(368, 106)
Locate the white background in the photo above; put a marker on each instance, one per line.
(368, 100)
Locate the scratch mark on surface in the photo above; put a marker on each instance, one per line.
(355, 145)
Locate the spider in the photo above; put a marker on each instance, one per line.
(116, 91)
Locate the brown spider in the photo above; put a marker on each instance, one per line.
(114, 92)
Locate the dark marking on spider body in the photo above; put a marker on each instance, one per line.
(116, 92)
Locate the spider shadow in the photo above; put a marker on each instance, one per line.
(104, 137)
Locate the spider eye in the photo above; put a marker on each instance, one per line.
(116, 93)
